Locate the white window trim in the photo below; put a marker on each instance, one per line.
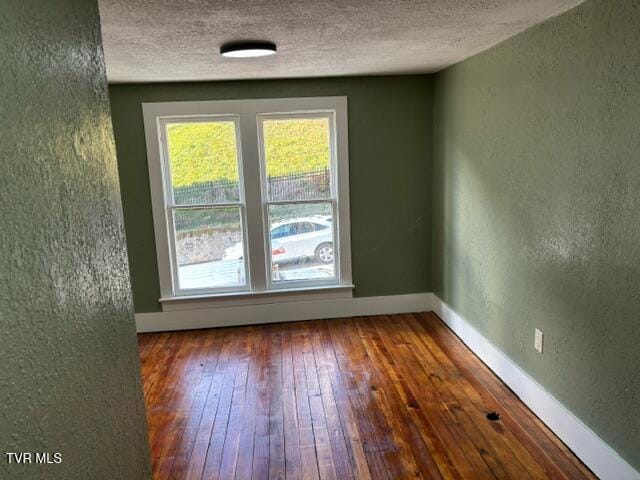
(169, 203)
(333, 200)
(248, 113)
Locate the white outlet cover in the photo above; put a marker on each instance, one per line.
(537, 344)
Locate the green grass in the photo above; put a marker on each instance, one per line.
(206, 152)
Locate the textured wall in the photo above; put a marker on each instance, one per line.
(390, 174)
(70, 375)
(537, 223)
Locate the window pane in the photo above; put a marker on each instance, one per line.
(297, 157)
(301, 242)
(209, 248)
(204, 162)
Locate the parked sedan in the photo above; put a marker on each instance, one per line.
(293, 239)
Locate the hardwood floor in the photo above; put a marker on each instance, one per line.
(386, 397)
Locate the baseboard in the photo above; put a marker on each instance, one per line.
(282, 312)
(591, 449)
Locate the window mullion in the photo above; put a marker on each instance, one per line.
(195, 206)
(301, 202)
(253, 201)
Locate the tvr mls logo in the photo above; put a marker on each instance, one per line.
(36, 457)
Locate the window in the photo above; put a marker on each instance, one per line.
(249, 196)
(204, 203)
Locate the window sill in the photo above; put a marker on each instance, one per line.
(235, 299)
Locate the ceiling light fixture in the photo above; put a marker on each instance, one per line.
(247, 49)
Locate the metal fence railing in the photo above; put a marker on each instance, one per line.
(296, 186)
(299, 186)
(222, 191)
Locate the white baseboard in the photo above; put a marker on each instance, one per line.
(282, 312)
(591, 449)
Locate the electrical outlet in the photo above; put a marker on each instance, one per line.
(537, 343)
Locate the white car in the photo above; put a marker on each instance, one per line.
(303, 237)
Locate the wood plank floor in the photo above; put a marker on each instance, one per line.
(387, 397)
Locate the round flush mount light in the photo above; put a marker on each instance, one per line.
(247, 49)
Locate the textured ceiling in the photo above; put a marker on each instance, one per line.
(176, 40)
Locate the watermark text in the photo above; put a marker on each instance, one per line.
(33, 457)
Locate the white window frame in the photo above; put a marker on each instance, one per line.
(171, 206)
(248, 115)
(332, 199)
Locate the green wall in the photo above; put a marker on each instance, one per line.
(537, 207)
(390, 174)
(70, 374)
